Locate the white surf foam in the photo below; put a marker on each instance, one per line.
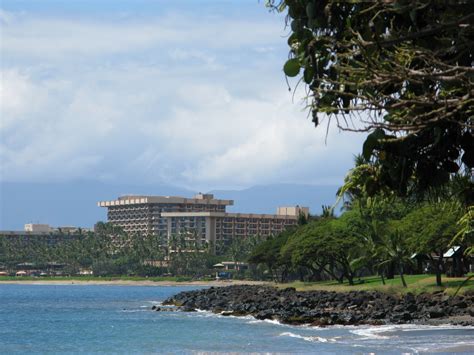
(208, 314)
(464, 347)
(372, 333)
(201, 311)
(273, 322)
(314, 339)
(386, 331)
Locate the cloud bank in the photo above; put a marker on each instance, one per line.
(178, 98)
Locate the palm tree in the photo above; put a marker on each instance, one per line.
(328, 211)
(394, 251)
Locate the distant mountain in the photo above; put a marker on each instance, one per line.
(266, 199)
(75, 203)
(67, 203)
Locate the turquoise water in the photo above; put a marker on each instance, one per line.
(118, 319)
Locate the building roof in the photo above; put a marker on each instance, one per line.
(451, 252)
(135, 200)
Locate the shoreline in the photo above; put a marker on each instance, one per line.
(119, 282)
(325, 308)
(263, 301)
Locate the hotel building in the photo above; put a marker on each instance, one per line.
(202, 218)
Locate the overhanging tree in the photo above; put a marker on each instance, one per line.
(402, 69)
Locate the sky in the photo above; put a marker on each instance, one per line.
(186, 93)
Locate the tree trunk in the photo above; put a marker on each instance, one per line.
(438, 277)
(458, 265)
(301, 274)
(274, 275)
(403, 277)
(348, 273)
(439, 269)
(383, 278)
(390, 271)
(284, 275)
(331, 272)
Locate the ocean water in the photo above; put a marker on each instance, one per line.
(118, 319)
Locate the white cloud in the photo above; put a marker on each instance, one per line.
(18, 96)
(163, 100)
(275, 143)
(194, 55)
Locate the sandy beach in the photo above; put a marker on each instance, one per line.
(132, 283)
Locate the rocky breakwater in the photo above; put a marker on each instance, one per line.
(322, 308)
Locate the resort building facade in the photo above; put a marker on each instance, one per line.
(201, 218)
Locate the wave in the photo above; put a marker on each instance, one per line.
(248, 317)
(207, 313)
(271, 321)
(416, 327)
(202, 313)
(464, 347)
(388, 331)
(314, 339)
(372, 333)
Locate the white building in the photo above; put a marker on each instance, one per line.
(201, 218)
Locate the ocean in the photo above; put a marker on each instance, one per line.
(118, 319)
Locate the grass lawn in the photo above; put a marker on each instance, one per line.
(416, 284)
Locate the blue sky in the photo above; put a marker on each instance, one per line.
(188, 93)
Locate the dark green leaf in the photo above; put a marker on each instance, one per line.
(308, 75)
(291, 67)
(296, 25)
(371, 143)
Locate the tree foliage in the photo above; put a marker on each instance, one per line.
(329, 244)
(268, 253)
(430, 228)
(379, 234)
(402, 69)
(465, 234)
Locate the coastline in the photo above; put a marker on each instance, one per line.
(326, 308)
(119, 282)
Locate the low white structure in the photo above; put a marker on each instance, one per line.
(293, 211)
(33, 227)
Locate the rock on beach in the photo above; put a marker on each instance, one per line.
(323, 308)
